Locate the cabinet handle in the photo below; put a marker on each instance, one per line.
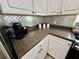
(34, 12)
(40, 45)
(57, 12)
(41, 49)
(69, 44)
(60, 12)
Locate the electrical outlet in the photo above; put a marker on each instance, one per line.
(54, 22)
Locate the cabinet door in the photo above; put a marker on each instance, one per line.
(40, 6)
(17, 6)
(70, 5)
(54, 6)
(58, 47)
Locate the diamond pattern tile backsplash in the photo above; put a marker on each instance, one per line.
(25, 20)
(62, 20)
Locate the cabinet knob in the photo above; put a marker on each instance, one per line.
(39, 51)
(69, 44)
(40, 45)
(33, 12)
(57, 12)
(60, 12)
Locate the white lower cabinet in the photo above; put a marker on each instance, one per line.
(55, 46)
(39, 51)
(58, 47)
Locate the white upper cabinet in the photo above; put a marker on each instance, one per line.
(70, 6)
(17, 6)
(54, 6)
(40, 6)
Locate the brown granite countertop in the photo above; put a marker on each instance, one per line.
(22, 46)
